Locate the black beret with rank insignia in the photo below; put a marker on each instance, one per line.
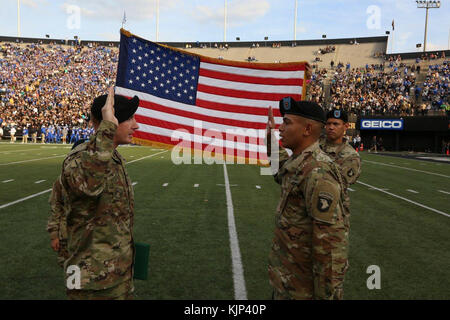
(338, 114)
(124, 108)
(305, 109)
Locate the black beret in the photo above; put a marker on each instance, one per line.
(124, 108)
(305, 109)
(338, 114)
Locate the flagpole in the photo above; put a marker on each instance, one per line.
(225, 23)
(18, 18)
(157, 20)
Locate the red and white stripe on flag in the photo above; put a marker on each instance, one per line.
(230, 111)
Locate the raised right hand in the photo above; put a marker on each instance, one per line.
(108, 108)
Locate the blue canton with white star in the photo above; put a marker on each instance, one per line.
(156, 70)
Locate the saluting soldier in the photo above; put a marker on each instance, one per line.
(337, 147)
(99, 210)
(308, 258)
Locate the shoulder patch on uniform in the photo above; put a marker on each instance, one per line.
(324, 201)
(350, 172)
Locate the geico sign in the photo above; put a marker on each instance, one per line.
(382, 124)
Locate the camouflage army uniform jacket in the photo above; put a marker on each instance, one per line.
(308, 259)
(56, 225)
(349, 163)
(100, 212)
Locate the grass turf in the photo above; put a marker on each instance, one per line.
(187, 227)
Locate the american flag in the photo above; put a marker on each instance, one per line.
(212, 105)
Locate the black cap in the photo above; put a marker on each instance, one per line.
(338, 114)
(305, 109)
(124, 108)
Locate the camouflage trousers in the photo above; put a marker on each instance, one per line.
(123, 291)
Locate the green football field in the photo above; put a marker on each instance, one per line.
(400, 222)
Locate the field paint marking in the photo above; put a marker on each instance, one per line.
(222, 185)
(152, 155)
(407, 200)
(39, 181)
(165, 184)
(37, 194)
(5, 164)
(444, 192)
(6, 181)
(350, 189)
(134, 183)
(18, 150)
(26, 198)
(258, 187)
(412, 191)
(196, 185)
(240, 293)
(390, 165)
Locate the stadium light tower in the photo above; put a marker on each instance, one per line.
(157, 20)
(295, 20)
(225, 23)
(427, 4)
(18, 18)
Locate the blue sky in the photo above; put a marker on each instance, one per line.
(251, 20)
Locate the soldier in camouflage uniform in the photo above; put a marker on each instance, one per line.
(345, 156)
(99, 209)
(308, 259)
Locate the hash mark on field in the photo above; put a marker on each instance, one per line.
(258, 187)
(165, 184)
(444, 192)
(350, 189)
(6, 181)
(405, 199)
(196, 185)
(412, 191)
(39, 181)
(134, 183)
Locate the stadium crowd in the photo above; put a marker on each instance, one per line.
(49, 88)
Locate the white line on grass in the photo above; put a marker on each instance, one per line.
(39, 181)
(350, 189)
(5, 164)
(165, 184)
(26, 198)
(240, 293)
(258, 187)
(17, 150)
(134, 183)
(6, 181)
(407, 200)
(444, 192)
(152, 155)
(390, 165)
(196, 185)
(412, 191)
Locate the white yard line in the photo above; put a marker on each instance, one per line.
(240, 293)
(134, 183)
(152, 155)
(410, 169)
(18, 150)
(444, 192)
(405, 199)
(39, 181)
(26, 198)
(23, 161)
(350, 189)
